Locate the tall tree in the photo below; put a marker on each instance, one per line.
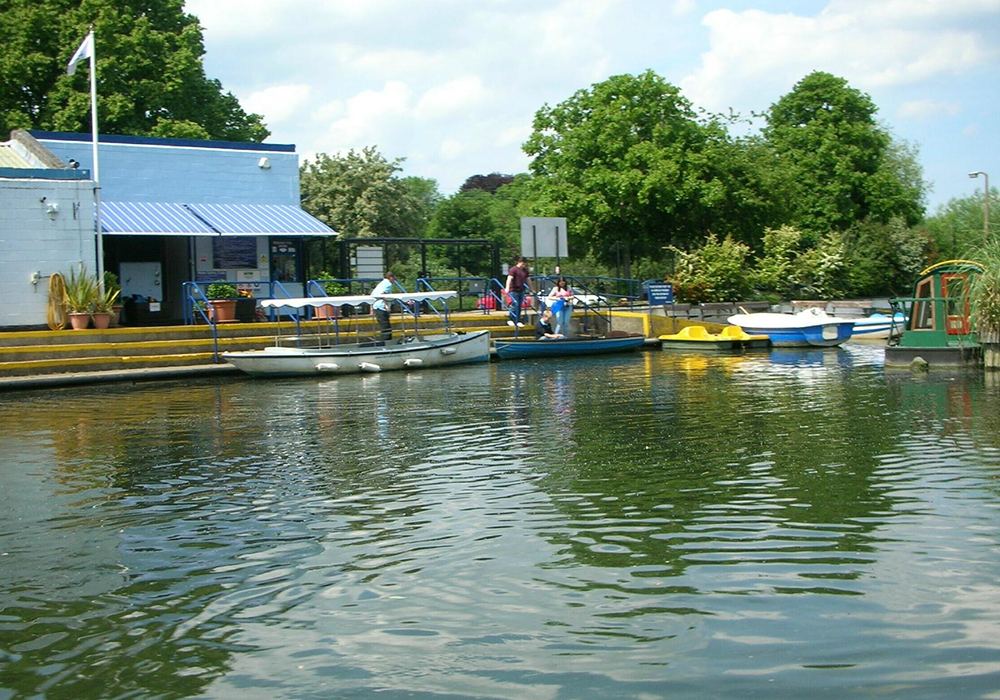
(490, 183)
(426, 196)
(628, 161)
(151, 80)
(360, 196)
(840, 164)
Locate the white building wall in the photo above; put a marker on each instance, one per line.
(46, 226)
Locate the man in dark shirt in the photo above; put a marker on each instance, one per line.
(517, 282)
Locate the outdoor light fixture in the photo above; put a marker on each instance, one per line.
(986, 201)
(264, 164)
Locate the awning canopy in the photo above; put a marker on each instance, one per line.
(181, 219)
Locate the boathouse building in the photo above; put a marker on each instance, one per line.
(172, 211)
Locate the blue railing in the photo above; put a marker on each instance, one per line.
(193, 298)
(465, 286)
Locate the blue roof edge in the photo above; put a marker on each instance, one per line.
(43, 174)
(154, 141)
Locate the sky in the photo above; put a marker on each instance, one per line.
(451, 86)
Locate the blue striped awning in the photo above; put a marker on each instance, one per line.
(180, 219)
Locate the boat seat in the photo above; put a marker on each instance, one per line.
(698, 332)
(616, 334)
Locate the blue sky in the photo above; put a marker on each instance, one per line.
(452, 85)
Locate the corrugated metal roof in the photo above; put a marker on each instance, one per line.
(9, 158)
(179, 219)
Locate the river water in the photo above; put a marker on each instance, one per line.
(792, 524)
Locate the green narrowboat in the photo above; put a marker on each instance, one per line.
(936, 325)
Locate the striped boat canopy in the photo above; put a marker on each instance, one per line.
(181, 219)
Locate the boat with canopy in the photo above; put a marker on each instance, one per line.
(328, 356)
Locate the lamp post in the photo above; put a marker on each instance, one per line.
(986, 203)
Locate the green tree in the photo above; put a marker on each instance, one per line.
(841, 166)
(360, 196)
(149, 64)
(426, 196)
(882, 258)
(475, 213)
(957, 227)
(627, 160)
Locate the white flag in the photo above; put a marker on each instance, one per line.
(86, 50)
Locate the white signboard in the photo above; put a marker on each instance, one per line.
(369, 261)
(543, 237)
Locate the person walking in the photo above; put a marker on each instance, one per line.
(517, 282)
(380, 308)
(560, 300)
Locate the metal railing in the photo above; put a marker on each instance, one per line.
(193, 298)
(946, 308)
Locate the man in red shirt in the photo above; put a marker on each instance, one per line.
(517, 282)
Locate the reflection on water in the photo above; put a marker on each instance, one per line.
(778, 525)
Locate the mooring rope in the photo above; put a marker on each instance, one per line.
(56, 313)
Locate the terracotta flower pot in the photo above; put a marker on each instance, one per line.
(222, 310)
(79, 321)
(102, 319)
(327, 311)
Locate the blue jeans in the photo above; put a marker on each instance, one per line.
(562, 318)
(516, 302)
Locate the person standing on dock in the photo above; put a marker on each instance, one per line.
(380, 308)
(518, 280)
(561, 302)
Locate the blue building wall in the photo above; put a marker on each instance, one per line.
(183, 170)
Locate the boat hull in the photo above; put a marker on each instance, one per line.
(699, 345)
(406, 353)
(565, 347)
(799, 330)
(877, 327)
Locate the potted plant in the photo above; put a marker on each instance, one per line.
(332, 289)
(111, 284)
(221, 302)
(103, 307)
(80, 297)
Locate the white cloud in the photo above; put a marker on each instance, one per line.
(928, 109)
(462, 94)
(277, 103)
(513, 135)
(452, 149)
(683, 8)
(872, 44)
(368, 114)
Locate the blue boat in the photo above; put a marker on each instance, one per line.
(565, 347)
(812, 327)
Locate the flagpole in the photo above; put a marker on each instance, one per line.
(97, 171)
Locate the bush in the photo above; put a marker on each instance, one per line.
(714, 272)
(985, 290)
(221, 290)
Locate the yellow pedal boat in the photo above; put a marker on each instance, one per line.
(744, 339)
(696, 338)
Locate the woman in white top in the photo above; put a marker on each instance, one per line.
(560, 300)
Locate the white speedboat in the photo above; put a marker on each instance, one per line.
(414, 351)
(809, 327)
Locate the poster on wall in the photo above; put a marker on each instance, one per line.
(234, 253)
